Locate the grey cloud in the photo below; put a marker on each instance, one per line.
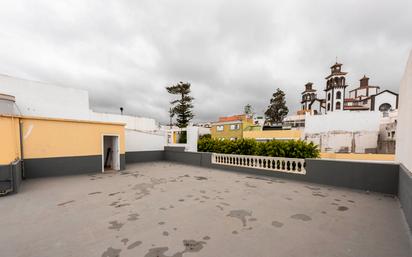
(233, 52)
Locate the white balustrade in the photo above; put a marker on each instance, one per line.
(289, 165)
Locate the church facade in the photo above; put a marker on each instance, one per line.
(365, 97)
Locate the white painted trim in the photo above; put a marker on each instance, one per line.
(281, 164)
(118, 147)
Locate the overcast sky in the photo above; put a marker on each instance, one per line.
(232, 52)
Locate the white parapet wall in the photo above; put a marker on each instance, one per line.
(35, 98)
(132, 122)
(404, 128)
(144, 141)
(192, 136)
(344, 131)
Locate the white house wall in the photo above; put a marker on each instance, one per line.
(46, 100)
(404, 138)
(344, 131)
(134, 123)
(343, 121)
(42, 99)
(143, 141)
(340, 141)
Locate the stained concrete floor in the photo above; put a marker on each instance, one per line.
(166, 209)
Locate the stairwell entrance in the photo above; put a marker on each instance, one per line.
(110, 153)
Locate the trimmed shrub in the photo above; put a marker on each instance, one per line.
(274, 148)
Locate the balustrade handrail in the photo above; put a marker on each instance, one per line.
(282, 164)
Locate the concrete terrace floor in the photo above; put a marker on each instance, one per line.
(167, 209)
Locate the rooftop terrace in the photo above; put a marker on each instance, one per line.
(168, 209)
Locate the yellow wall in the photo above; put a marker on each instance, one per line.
(360, 156)
(276, 134)
(226, 133)
(9, 139)
(44, 138)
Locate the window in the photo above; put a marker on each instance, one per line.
(329, 96)
(337, 106)
(234, 126)
(338, 95)
(219, 128)
(384, 107)
(328, 107)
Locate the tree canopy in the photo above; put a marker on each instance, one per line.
(277, 109)
(181, 107)
(248, 109)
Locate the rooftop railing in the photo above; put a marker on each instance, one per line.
(280, 164)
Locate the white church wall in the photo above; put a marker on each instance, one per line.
(404, 128)
(385, 97)
(373, 91)
(361, 92)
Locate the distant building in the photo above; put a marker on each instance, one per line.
(231, 127)
(244, 126)
(387, 133)
(295, 122)
(259, 120)
(339, 130)
(366, 97)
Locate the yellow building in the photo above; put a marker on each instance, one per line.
(241, 126)
(267, 135)
(231, 127)
(50, 146)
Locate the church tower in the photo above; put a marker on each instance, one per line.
(335, 88)
(307, 96)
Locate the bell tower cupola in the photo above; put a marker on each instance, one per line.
(308, 95)
(335, 88)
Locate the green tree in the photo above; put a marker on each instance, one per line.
(182, 107)
(277, 109)
(248, 110)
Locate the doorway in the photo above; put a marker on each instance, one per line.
(110, 153)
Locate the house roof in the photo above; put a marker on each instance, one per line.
(369, 86)
(391, 92)
(225, 122)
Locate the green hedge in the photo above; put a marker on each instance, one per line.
(275, 148)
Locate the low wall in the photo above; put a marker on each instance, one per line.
(372, 176)
(64, 166)
(11, 177)
(144, 156)
(405, 192)
(358, 156)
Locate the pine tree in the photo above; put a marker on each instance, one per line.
(248, 110)
(182, 107)
(277, 109)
